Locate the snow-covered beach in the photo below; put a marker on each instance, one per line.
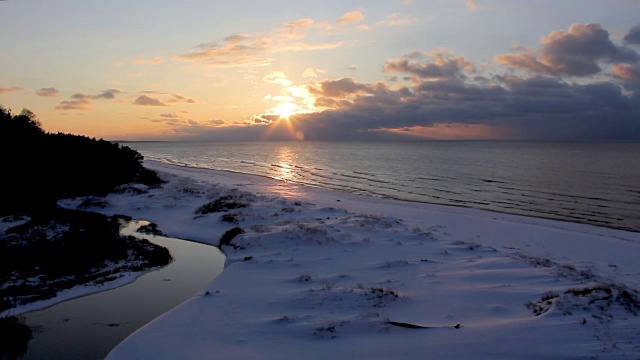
(320, 273)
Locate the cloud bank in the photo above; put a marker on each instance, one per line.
(579, 85)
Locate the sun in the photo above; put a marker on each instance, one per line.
(285, 110)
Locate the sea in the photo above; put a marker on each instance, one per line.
(595, 183)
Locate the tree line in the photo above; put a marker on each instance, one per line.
(40, 167)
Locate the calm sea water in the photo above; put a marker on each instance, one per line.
(594, 183)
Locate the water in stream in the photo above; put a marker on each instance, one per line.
(89, 327)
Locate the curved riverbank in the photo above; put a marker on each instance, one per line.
(88, 327)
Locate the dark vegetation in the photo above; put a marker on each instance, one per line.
(223, 203)
(226, 238)
(65, 248)
(40, 168)
(59, 248)
(14, 337)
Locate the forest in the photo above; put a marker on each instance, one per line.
(38, 167)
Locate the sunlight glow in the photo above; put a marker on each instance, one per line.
(285, 110)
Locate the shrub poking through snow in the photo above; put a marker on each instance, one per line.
(543, 305)
(223, 203)
(229, 218)
(230, 235)
(150, 228)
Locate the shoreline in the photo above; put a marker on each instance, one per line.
(387, 197)
(330, 272)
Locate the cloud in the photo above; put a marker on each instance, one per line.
(449, 98)
(439, 94)
(144, 100)
(440, 68)
(48, 92)
(175, 98)
(4, 91)
(233, 39)
(311, 73)
(107, 94)
(396, 19)
(633, 37)
(152, 61)
(471, 5)
(250, 50)
(627, 72)
(296, 29)
(345, 87)
(168, 98)
(215, 122)
(351, 17)
(82, 104)
(577, 52)
(277, 77)
(182, 124)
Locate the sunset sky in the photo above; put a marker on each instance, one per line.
(325, 70)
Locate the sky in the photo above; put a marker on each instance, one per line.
(248, 70)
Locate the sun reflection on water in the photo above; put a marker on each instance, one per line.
(285, 159)
(286, 171)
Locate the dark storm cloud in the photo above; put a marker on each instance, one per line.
(633, 37)
(534, 108)
(577, 52)
(445, 92)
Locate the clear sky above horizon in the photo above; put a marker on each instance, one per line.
(332, 70)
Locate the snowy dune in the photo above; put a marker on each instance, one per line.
(320, 274)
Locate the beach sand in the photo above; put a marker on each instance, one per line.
(317, 273)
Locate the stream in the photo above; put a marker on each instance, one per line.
(89, 327)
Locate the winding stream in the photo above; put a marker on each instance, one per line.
(89, 327)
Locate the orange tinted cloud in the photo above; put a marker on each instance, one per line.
(246, 50)
(471, 5)
(627, 72)
(351, 17)
(4, 90)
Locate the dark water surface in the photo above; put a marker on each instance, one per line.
(588, 182)
(89, 327)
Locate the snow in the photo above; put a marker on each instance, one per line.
(123, 278)
(319, 273)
